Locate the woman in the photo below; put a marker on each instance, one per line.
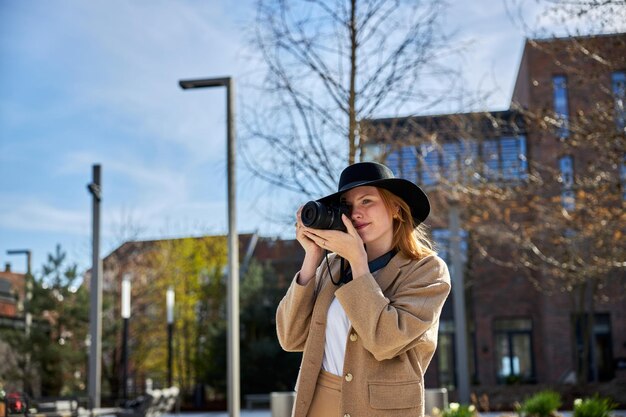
(369, 331)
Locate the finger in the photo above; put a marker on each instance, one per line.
(298, 216)
(349, 226)
(319, 240)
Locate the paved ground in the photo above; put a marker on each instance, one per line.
(268, 413)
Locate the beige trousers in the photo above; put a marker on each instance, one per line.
(327, 397)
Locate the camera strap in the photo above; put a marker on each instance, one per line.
(374, 265)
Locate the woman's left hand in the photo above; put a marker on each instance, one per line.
(348, 245)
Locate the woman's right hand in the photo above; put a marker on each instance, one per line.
(310, 247)
(312, 252)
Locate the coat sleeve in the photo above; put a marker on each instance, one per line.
(293, 316)
(387, 327)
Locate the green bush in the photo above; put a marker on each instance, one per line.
(457, 410)
(593, 407)
(542, 404)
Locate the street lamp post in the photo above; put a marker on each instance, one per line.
(28, 316)
(169, 302)
(460, 316)
(125, 310)
(95, 289)
(233, 242)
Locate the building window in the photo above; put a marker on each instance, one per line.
(561, 108)
(429, 170)
(600, 351)
(451, 161)
(503, 159)
(469, 151)
(514, 354)
(566, 178)
(403, 162)
(513, 157)
(491, 158)
(618, 84)
(445, 354)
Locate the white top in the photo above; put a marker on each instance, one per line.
(337, 328)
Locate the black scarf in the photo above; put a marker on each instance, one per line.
(374, 265)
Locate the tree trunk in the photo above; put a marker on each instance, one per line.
(352, 125)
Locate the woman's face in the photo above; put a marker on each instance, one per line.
(370, 217)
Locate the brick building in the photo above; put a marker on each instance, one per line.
(568, 93)
(12, 293)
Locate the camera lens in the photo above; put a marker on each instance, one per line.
(319, 216)
(310, 213)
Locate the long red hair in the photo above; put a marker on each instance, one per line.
(413, 241)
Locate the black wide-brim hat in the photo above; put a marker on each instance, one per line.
(378, 175)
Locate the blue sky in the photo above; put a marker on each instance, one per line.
(84, 82)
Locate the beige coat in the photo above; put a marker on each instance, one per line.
(394, 317)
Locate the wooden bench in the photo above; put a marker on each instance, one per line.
(251, 399)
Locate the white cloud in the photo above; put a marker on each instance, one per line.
(32, 214)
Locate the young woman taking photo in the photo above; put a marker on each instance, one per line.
(364, 307)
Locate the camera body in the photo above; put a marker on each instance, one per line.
(320, 216)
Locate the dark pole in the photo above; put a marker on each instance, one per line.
(169, 353)
(95, 297)
(169, 304)
(125, 359)
(234, 389)
(125, 310)
(460, 316)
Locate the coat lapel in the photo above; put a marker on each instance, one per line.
(389, 273)
(385, 278)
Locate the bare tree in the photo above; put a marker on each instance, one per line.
(563, 230)
(570, 17)
(331, 64)
(587, 258)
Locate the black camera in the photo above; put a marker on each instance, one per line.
(320, 216)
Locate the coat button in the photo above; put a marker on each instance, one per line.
(353, 337)
(348, 377)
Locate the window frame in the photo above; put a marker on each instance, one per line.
(430, 162)
(618, 88)
(509, 334)
(568, 194)
(560, 105)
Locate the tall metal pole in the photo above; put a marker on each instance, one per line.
(458, 291)
(234, 392)
(169, 303)
(95, 297)
(125, 310)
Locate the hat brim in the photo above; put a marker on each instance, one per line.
(405, 189)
